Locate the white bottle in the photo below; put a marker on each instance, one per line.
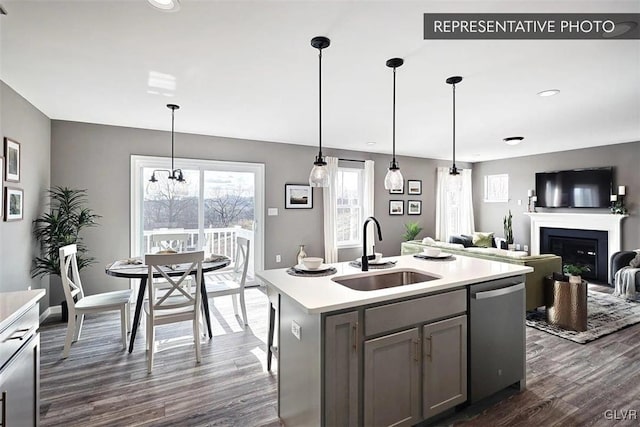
(301, 254)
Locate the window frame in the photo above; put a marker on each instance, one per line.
(350, 244)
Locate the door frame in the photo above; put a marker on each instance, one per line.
(138, 162)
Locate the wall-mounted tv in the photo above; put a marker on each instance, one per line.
(578, 188)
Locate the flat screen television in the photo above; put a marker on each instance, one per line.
(578, 188)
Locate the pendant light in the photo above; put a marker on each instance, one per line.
(453, 170)
(319, 176)
(394, 180)
(177, 182)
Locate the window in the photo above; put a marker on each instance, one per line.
(350, 206)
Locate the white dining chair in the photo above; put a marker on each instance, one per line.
(218, 285)
(176, 242)
(173, 304)
(79, 304)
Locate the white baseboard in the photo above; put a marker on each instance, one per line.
(55, 310)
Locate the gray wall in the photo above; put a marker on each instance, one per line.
(97, 157)
(25, 124)
(624, 157)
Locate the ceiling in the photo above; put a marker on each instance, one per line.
(246, 69)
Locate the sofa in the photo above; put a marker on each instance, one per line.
(543, 265)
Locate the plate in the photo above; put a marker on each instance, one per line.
(439, 256)
(322, 268)
(373, 262)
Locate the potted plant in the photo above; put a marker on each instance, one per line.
(574, 272)
(508, 231)
(412, 229)
(61, 226)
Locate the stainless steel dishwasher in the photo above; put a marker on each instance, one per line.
(496, 336)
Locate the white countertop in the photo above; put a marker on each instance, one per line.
(321, 294)
(13, 304)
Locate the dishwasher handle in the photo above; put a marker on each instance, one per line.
(499, 292)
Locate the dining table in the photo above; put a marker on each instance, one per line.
(133, 268)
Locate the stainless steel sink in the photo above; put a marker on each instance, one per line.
(392, 279)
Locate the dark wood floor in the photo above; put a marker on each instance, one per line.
(569, 384)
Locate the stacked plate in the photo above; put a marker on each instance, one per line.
(302, 269)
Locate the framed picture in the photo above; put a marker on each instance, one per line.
(400, 191)
(12, 157)
(414, 207)
(496, 188)
(414, 186)
(396, 207)
(298, 196)
(13, 204)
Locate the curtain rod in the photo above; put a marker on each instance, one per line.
(351, 160)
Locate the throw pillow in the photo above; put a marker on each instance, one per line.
(635, 262)
(483, 240)
(463, 240)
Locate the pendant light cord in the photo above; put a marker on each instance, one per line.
(320, 103)
(173, 112)
(454, 125)
(394, 116)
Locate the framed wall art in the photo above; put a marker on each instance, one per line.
(298, 196)
(396, 207)
(414, 207)
(12, 158)
(496, 188)
(414, 187)
(13, 204)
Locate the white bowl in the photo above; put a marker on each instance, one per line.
(431, 251)
(312, 263)
(378, 257)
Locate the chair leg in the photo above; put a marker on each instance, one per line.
(79, 322)
(128, 318)
(71, 326)
(123, 325)
(151, 344)
(243, 306)
(196, 335)
(235, 303)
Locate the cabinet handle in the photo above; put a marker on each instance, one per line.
(19, 334)
(416, 350)
(4, 409)
(355, 337)
(429, 352)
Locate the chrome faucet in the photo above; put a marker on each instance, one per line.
(365, 257)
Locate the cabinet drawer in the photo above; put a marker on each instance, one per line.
(397, 315)
(13, 337)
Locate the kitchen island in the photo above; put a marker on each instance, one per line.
(395, 355)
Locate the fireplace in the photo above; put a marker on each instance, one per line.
(580, 247)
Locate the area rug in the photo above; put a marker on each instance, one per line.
(605, 314)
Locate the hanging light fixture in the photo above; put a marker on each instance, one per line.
(453, 170)
(394, 180)
(177, 182)
(319, 176)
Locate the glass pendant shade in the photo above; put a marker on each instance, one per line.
(393, 180)
(153, 187)
(319, 176)
(454, 182)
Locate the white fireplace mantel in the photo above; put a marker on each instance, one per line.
(610, 223)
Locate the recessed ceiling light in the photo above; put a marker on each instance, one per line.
(549, 92)
(166, 5)
(513, 140)
(371, 143)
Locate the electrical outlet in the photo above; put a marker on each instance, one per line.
(517, 246)
(296, 330)
(28, 288)
(272, 212)
(278, 258)
(519, 202)
(526, 248)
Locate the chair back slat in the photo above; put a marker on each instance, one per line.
(241, 262)
(71, 283)
(175, 296)
(170, 241)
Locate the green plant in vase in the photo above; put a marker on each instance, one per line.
(61, 226)
(508, 229)
(412, 229)
(574, 272)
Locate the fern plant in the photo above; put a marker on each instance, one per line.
(61, 226)
(412, 229)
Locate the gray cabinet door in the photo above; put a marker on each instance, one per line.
(19, 387)
(341, 370)
(392, 379)
(444, 368)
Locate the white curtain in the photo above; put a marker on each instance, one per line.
(368, 193)
(454, 204)
(330, 212)
(442, 181)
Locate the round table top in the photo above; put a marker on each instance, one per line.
(141, 271)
